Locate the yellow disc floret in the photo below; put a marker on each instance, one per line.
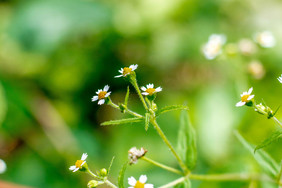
(151, 91)
(78, 163)
(126, 71)
(102, 94)
(139, 185)
(244, 98)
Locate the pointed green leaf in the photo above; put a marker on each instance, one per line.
(272, 138)
(279, 176)
(171, 108)
(122, 121)
(186, 143)
(126, 97)
(264, 160)
(121, 175)
(147, 121)
(111, 163)
(185, 184)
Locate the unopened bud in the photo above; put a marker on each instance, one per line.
(103, 172)
(92, 184)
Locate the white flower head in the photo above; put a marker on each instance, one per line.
(280, 79)
(245, 97)
(214, 46)
(134, 154)
(126, 70)
(102, 94)
(150, 90)
(247, 47)
(141, 183)
(265, 39)
(3, 166)
(79, 163)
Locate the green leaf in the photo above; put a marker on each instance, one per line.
(147, 121)
(273, 137)
(3, 105)
(268, 164)
(121, 175)
(186, 143)
(171, 108)
(122, 121)
(111, 163)
(185, 184)
(126, 97)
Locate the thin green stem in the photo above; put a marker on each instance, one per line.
(277, 121)
(103, 179)
(110, 184)
(126, 109)
(279, 177)
(162, 165)
(135, 85)
(166, 141)
(92, 174)
(175, 182)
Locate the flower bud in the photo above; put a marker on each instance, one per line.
(92, 184)
(260, 108)
(103, 172)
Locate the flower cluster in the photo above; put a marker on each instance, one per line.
(134, 154)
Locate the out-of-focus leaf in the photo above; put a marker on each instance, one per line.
(3, 105)
(121, 175)
(122, 121)
(185, 184)
(126, 97)
(147, 121)
(279, 176)
(171, 108)
(111, 163)
(273, 137)
(264, 160)
(186, 143)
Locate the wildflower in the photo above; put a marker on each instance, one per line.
(214, 46)
(247, 47)
(3, 166)
(280, 79)
(139, 183)
(246, 97)
(101, 95)
(126, 70)
(150, 90)
(265, 39)
(134, 154)
(79, 163)
(256, 69)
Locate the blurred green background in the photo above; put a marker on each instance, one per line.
(55, 54)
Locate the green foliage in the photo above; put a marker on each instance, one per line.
(147, 121)
(122, 121)
(121, 175)
(264, 160)
(3, 105)
(272, 138)
(126, 96)
(185, 184)
(111, 163)
(171, 108)
(186, 142)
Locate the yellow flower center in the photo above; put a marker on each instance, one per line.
(151, 91)
(78, 163)
(244, 98)
(126, 71)
(102, 94)
(139, 185)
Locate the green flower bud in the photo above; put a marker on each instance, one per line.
(103, 172)
(92, 184)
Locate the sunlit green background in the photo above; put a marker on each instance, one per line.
(55, 54)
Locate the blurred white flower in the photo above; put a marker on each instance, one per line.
(280, 79)
(141, 183)
(265, 39)
(134, 154)
(150, 90)
(256, 69)
(214, 46)
(245, 97)
(126, 70)
(101, 95)
(3, 166)
(247, 47)
(79, 163)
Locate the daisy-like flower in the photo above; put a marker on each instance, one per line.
(134, 154)
(280, 79)
(150, 90)
(79, 163)
(245, 97)
(265, 39)
(247, 47)
(214, 46)
(3, 166)
(101, 95)
(126, 70)
(141, 183)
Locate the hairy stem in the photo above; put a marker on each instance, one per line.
(126, 110)
(135, 85)
(110, 184)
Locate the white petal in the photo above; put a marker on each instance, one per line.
(3, 166)
(84, 156)
(143, 88)
(121, 70)
(75, 169)
(106, 88)
(99, 90)
(102, 101)
(133, 67)
(250, 90)
(150, 86)
(145, 93)
(132, 181)
(130, 187)
(158, 89)
(72, 167)
(143, 178)
(83, 163)
(240, 103)
(149, 186)
(94, 98)
(108, 94)
(118, 76)
(250, 97)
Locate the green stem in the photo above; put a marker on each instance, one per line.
(162, 135)
(277, 121)
(103, 179)
(135, 85)
(110, 184)
(92, 174)
(175, 182)
(162, 165)
(126, 110)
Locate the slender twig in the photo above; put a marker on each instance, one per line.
(162, 165)
(277, 121)
(135, 85)
(126, 110)
(103, 179)
(175, 182)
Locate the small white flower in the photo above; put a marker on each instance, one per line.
(245, 97)
(101, 95)
(141, 183)
(79, 163)
(150, 90)
(214, 46)
(280, 79)
(265, 39)
(3, 166)
(247, 47)
(134, 154)
(126, 70)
